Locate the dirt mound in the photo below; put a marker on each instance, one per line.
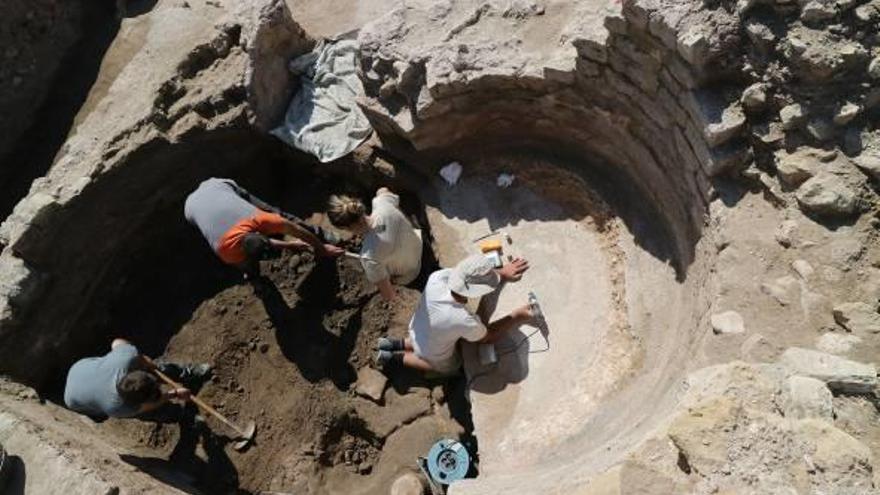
(286, 353)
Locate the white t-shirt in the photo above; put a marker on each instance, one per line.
(438, 323)
(393, 248)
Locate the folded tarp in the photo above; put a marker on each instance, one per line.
(323, 118)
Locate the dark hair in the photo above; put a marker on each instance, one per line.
(255, 246)
(345, 211)
(138, 387)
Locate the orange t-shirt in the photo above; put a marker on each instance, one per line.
(230, 249)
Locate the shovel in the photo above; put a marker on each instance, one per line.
(245, 435)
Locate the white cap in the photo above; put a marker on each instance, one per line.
(474, 276)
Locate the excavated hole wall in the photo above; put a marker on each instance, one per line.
(114, 222)
(625, 113)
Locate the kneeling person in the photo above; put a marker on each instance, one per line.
(238, 225)
(442, 316)
(391, 253)
(120, 383)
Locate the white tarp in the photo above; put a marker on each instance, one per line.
(323, 118)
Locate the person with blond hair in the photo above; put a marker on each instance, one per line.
(391, 252)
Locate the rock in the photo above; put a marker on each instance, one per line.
(820, 129)
(845, 251)
(841, 375)
(869, 163)
(874, 69)
(783, 289)
(857, 317)
(836, 342)
(760, 35)
(758, 348)
(731, 123)
(769, 133)
(700, 434)
(264, 348)
(834, 451)
(693, 46)
(793, 169)
(754, 98)
(792, 116)
(868, 12)
(846, 114)
(727, 322)
(371, 384)
(826, 194)
(784, 233)
(408, 484)
(817, 11)
(805, 397)
(818, 56)
(803, 269)
(438, 395)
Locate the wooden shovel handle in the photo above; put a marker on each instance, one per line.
(199, 402)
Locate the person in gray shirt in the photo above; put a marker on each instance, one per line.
(120, 383)
(242, 229)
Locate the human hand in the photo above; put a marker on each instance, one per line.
(513, 270)
(181, 394)
(330, 251)
(523, 313)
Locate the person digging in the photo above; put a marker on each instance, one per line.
(243, 229)
(122, 384)
(391, 252)
(442, 316)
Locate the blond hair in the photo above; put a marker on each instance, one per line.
(345, 211)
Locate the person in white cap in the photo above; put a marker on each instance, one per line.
(442, 316)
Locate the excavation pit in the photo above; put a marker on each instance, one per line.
(288, 356)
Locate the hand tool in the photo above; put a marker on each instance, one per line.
(245, 435)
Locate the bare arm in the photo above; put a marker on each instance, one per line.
(311, 239)
(181, 394)
(295, 244)
(387, 290)
(499, 327)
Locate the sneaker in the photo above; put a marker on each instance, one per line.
(196, 374)
(383, 357)
(389, 344)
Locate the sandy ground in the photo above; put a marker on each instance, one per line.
(550, 376)
(328, 18)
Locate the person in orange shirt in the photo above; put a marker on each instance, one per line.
(242, 229)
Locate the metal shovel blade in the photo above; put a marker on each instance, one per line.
(247, 436)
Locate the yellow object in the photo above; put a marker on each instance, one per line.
(490, 245)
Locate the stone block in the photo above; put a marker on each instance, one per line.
(827, 194)
(371, 384)
(792, 116)
(793, 169)
(727, 322)
(857, 317)
(841, 375)
(805, 397)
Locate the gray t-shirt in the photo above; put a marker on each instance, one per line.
(392, 247)
(438, 323)
(91, 383)
(214, 207)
